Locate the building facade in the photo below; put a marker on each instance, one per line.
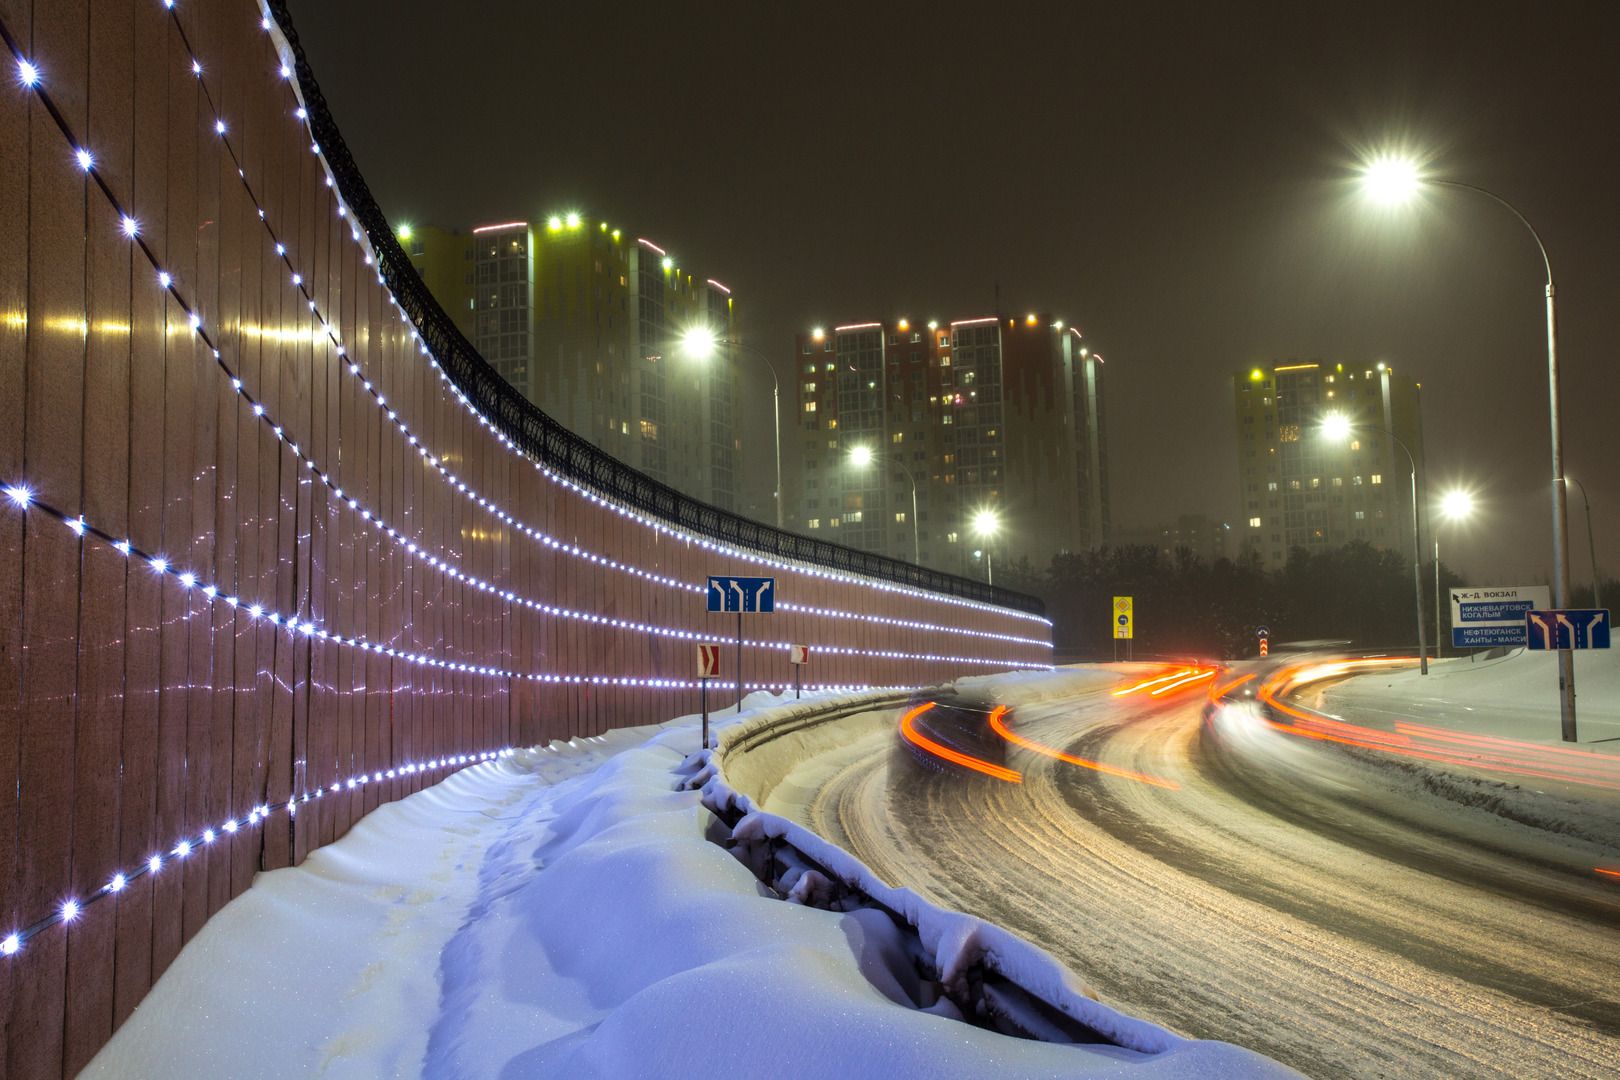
(586, 322)
(991, 421)
(1302, 488)
(1205, 537)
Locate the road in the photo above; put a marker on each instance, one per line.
(1280, 903)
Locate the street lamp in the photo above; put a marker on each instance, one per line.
(1597, 601)
(1395, 179)
(861, 457)
(702, 342)
(1338, 426)
(986, 524)
(1454, 506)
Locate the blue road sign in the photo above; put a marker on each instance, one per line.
(742, 594)
(1575, 628)
(1486, 637)
(1262, 631)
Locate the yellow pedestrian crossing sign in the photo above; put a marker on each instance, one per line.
(1122, 617)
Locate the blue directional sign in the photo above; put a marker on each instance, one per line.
(1262, 631)
(1493, 615)
(1574, 628)
(742, 594)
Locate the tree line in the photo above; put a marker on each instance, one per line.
(1185, 605)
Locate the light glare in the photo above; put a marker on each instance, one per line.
(1390, 179)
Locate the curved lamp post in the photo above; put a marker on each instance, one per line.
(1395, 179)
(862, 456)
(703, 342)
(1336, 426)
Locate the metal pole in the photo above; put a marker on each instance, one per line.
(776, 401)
(1417, 572)
(1439, 639)
(1566, 658)
(1591, 547)
(739, 659)
(916, 543)
(989, 567)
(705, 684)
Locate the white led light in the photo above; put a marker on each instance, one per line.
(208, 836)
(219, 126)
(164, 279)
(196, 68)
(131, 228)
(117, 883)
(183, 848)
(27, 73)
(86, 162)
(230, 826)
(286, 72)
(19, 494)
(154, 864)
(10, 944)
(188, 579)
(70, 911)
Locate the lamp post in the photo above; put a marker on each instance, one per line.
(702, 342)
(1395, 179)
(862, 456)
(1455, 506)
(986, 524)
(1336, 426)
(1591, 547)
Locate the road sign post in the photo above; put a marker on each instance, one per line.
(708, 658)
(742, 594)
(1124, 630)
(1264, 634)
(798, 656)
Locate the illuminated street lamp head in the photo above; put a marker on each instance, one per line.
(404, 232)
(860, 456)
(1391, 179)
(699, 341)
(1456, 504)
(1335, 426)
(985, 523)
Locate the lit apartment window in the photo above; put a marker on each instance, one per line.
(853, 515)
(1254, 523)
(1376, 478)
(1361, 515)
(809, 387)
(898, 436)
(900, 519)
(809, 406)
(813, 523)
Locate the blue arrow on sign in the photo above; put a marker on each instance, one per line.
(1262, 631)
(1572, 628)
(742, 594)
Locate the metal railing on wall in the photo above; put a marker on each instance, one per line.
(551, 444)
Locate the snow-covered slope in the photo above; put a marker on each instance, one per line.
(524, 920)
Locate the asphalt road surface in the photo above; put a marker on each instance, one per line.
(1273, 899)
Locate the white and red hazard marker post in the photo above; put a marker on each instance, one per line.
(1264, 634)
(798, 656)
(708, 657)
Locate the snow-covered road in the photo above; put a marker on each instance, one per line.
(1324, 913)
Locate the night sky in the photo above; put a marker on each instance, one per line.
(1175, 180)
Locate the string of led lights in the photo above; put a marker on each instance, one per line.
(545, 440)
(86, 162)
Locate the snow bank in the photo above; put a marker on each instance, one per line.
(567, 912)
(1515, 696)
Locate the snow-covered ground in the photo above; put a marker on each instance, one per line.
(564, 912)
(1514, 696)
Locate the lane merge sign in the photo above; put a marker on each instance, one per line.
(742, 594)
(1571, 628)
(1123, 614)
(1488, 617)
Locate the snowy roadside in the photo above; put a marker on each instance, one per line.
(565, 912)
(1514, 696)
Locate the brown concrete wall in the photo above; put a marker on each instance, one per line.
(260, 569)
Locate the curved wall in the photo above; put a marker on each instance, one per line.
(263, 564)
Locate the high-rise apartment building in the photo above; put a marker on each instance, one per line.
(1304, 489)
(586, 322)
(996, 417)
